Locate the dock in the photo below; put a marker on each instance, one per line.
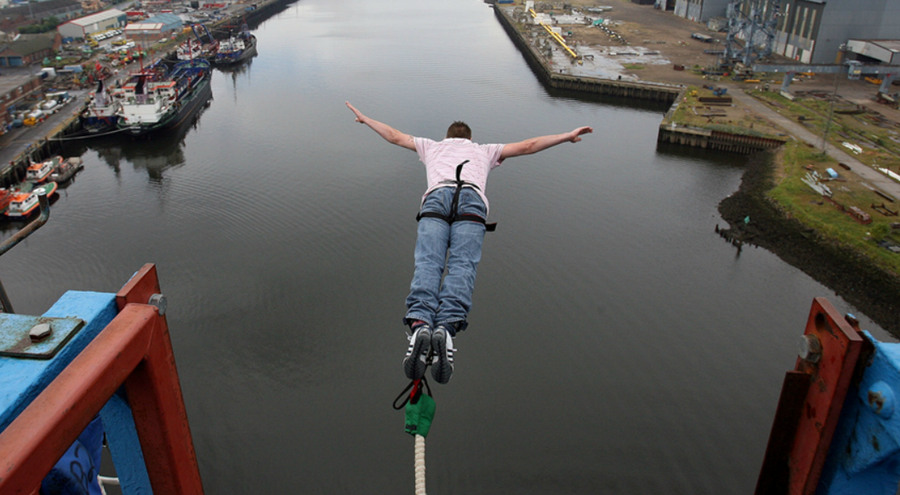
(638, 90)
(20, 146)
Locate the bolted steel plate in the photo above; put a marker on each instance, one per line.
(18, 340)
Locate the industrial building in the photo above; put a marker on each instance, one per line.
(700, 10)
(94, 23)
(154, 28)
(884, 52)
(24, 14)
(28, 49)
(814, 31)
(808, 31)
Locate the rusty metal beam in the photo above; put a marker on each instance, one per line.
(163, 429)
(134, 350)
(775, 474)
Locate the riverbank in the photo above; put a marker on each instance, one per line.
(852, 275)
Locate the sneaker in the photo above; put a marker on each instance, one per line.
(442, 346)
(417, 355)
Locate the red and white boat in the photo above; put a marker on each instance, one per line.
(24, 204)
(39, 172)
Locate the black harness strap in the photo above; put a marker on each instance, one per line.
(454, 215)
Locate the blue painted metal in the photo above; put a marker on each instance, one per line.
(125, 446)
(22, 379)
(864, 456)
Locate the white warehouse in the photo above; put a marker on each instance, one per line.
(94, 23)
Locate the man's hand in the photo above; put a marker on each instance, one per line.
(387, 132)
(359, 116)
(575, 133)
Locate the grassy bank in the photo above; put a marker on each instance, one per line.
(878, 139)
(800, 201)
(810, 234)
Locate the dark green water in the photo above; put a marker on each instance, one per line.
(617, 344)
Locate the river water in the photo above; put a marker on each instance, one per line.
(616, 345)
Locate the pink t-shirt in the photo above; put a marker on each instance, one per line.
(442, 157)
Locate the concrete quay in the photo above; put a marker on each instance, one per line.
(564, 80)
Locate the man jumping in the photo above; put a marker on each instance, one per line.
(452, 223)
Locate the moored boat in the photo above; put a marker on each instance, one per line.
(100, 115)
(236, 49)
(157, 100)
(67, 169)
(7, 194)
(39, 172)
(24, 204)
(189, 50)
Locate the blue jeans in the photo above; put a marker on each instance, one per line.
(456, 245)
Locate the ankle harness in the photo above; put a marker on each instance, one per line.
(454, 215)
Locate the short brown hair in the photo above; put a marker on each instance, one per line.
(459, 129)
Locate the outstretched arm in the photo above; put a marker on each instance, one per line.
(390, 134)
(541, 143)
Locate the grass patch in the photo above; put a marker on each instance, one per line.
(879, 139)
(633, 66)
(811, 209)
(691, 112)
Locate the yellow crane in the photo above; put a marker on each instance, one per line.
(557, 37)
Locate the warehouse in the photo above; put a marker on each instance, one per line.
(808, 31)
(94, 23)
(155, 28)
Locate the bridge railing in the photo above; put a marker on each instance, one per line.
(134, 351)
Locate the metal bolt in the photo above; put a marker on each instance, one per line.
(40, 332)
(159, 301)
(810, 348)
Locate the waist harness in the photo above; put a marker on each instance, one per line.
(455, 215)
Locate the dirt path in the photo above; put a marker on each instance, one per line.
(873, 177)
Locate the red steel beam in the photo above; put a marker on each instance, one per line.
(134, 350)
(163, 430)
(829, 381)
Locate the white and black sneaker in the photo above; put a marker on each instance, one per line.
(442, 348)
(416, 359)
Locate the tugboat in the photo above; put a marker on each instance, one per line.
(67, 169)
(236, 49)
(23, 204)
(39, 172)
